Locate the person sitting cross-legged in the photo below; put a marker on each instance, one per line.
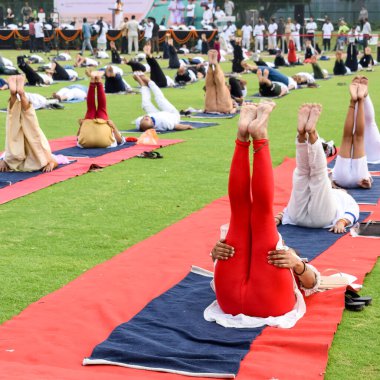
(26, 147)
(96, 129)
(164, 118)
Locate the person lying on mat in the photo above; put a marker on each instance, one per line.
(190, 74)
(217, 98)
(272, 83)
(33, 77)
(156, 73)
(351, 169)
(96, 129)
(238, 89)
(81, 61)
(114, 82)
(257, 280)
(313, 202)
(26, 147)
(340, 67)
(57, 72)
(164, 118)
(73, 92)
(318, 72)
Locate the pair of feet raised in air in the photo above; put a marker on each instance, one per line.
(16, 87)
(94, 75)
(359, 88)
(254, 121)
(308, 116)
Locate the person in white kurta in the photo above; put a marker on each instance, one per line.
(272, 34)
(119, 15)
(313, 202)
(258, 33)
(247, 33)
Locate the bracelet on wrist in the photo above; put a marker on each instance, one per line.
(303, 271)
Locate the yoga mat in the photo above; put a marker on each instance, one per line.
(81, 166)
(257, 95)
(74, 101)
(10, 178)
(206, 115)
(172, 336)
(371, 167)
(49, 338)
(75, 151)
(311, 242)
(195, 124)
(367, 196)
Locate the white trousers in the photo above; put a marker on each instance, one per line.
(259, 43)
(162, 103)
(312, 203)
(272, 42)
(371, 133)
(135, 41)
(246, 42)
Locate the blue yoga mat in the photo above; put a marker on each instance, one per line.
(205, 115)
(194, 124)
(367, 196)
(171, 335)
(10, 178)
(371, 167)
(93, 152)
(310, 242)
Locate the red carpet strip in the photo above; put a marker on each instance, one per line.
(49, 339)
(80, 167)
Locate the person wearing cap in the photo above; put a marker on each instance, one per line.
(164, 118)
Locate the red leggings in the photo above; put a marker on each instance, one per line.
(246, 283)
(92, 112)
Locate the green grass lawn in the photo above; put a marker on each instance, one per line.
(50, 237)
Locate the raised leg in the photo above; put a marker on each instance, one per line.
(156, 73)
(101, 112)
(230, 275)
(269, 290)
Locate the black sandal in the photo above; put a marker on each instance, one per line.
(151, 155)
(358, 298)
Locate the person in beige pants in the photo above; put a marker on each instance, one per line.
(26, 146)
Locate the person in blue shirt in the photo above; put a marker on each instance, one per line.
(3, 84)
(86, 34)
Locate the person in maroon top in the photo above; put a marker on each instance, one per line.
(32, 35)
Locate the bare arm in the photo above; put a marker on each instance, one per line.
(182, 127)
(115, 131)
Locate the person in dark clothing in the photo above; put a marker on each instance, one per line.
(190, 74)
(114, 82)
(339, 66)
(238, 56)
(279, 60)
(156, 73)
(155, 40)
(32, 76)
(317, 71)
(367, 60)
(114, 53)
(352, 57)
(205, 44)
(237, 89)
(58, 72)
(173, 57)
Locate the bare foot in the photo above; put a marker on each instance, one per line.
(354, 91)
(303, 116)
(3, 165)
(112, 45)
(363, 88)
(311, 124)
(147, 50)
(20, 82)
(97, 75)
(12, 83)
(258, 127)
(50, 166)
(88, 72)
(213, 57)
(109, 71)
(247, 114)
(259, 74)
(365, 183)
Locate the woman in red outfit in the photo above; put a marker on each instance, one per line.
(96, 129)
(247, 283)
